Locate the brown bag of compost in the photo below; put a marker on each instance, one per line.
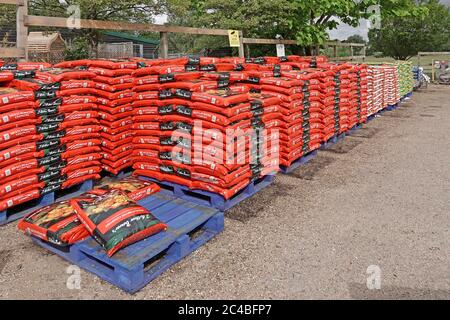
(116, 221)
(135, 188)
(56, 223)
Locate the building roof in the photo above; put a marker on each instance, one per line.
(131, 37)
(43, 40)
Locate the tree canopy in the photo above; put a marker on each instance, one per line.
(405, 26)
(403, 37)
(356, 38)
(307, 21)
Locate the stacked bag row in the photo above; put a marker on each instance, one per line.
(201, 130)
(375, 89)
(49, 130)
(113, 82)
(391, 85)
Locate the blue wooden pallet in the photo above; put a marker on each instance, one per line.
(392, 107)
(299, 162)
(333, 140)
(406, 97)
(211, 199)
(189, 227)
(21, 210)
(355, 128)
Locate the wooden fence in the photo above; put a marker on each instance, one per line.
(24, 21)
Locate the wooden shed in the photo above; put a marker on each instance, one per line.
(46, 46)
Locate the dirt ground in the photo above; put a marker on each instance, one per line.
(379, 198)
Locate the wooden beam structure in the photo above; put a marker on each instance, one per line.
(24, 21)
(268, 41)
(349, 58)
(11, 52)
(13, 2)
(434, 53)
(164, 45)
(344, 44)
(22, 29)
(42, 21)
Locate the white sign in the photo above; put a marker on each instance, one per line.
(281, 52)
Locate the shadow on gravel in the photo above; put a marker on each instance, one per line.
(344, 146)
(5, 256)
(433, 107)
(396, 115)
(366, 133)
(427, 116)
(360, 292)
(309, 170)
(251, 207)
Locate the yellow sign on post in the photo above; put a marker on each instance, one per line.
(233, 35)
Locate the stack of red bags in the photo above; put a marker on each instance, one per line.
(303, 62)
(67, 119)
(353, 99)
(114, 84)
(197, 131)
(375, 89)
(298, 103)
(20, 171)
(362, 83)
(391, 85)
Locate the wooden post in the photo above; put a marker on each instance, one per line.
(241, 45)
(22, 30)
(351, 52)
(248, 50)
(335, 53)
(163, 45)
(432, 72)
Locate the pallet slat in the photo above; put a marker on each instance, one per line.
(214, 200)
(299, 162)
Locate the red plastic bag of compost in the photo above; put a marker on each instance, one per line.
(25, 66)
(72, 64)
(57, 223)
(110, 72)
(6, 76)
(11, 95)
(58, 75)
(114, 80)
(113, 64)
(23, 197)
(116, 221)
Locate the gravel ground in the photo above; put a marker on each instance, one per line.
(380, 197)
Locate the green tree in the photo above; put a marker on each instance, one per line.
(313, 19)
(403, 37)
(356, 38)
(256, 18)
(307, 21)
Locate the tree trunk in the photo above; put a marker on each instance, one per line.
(308, 51)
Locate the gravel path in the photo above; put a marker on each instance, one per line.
(380, 197)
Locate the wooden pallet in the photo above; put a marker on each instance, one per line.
(189, 227)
